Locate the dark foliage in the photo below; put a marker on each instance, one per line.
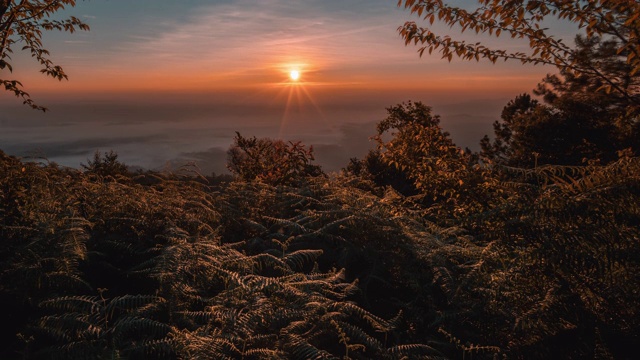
(578, 123)
(271, 161)
(375, 169)
(105, 165)
(569, 133)
(170, 269)
(466, 260)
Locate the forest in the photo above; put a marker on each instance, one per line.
(527, 249)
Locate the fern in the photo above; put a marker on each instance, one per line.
(154, 349)
(163, 267)
(414, 351)
(82, 304)
(263, 354)
(298, 259)
(301, 349)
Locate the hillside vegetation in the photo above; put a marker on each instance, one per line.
(535, 263)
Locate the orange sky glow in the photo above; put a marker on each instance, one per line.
(207, 68)
(228, 46)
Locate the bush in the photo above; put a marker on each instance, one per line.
(270, 161)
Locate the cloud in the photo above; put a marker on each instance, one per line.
(352, 141)
(55, 149)
(245, 39)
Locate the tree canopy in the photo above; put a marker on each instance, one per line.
(613, 20)
(569, 133)
(576, 123)
(24, 22)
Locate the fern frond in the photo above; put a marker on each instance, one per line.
(130, 304)
(154, 349)
(214, 348)
(282, 317)
(378, 323)
(471, 348)
(255, 226)
(132, 325)
(622, 170)
(288, 225)
(267, 261)
(77, 304)
(301, 349)
(443, 278)
(331, 277)
(329, 228)
(65, 279)
(70, 326)
(344, 290)
(414, 351)
(298, 259)
(263, 353)
(199, 317)
(84, 349)
(359, 336)
(233, 320)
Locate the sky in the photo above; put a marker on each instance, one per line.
(165, 82)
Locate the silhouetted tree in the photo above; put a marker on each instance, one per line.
(106, 164)
(578, 123)
(602, 56)
(531, 134)
(618, 112)
(24, 22)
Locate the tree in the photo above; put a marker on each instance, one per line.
(444, 175)
(570, 133)
(620, 112)
(615, 20)
(500, 149)
(24, 22)
(106, 164)
(602, 55)
(577, 122)
(270, 161)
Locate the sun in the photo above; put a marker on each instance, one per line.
(294, 75)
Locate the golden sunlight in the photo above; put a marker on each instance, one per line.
(296, 95)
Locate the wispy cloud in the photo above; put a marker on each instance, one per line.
(245, 38)
(239, 43)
